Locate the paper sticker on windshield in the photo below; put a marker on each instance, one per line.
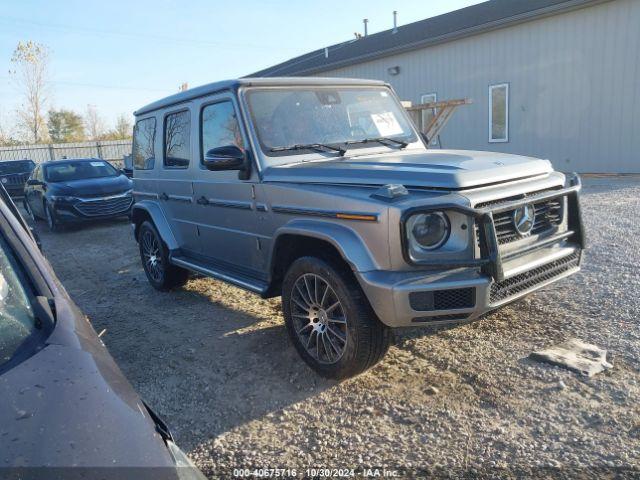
(97, 164)
(386, 124)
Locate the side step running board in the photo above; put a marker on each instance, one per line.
(253, 285)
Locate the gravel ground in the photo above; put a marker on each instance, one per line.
(216, 363)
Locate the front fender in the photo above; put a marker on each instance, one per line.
(151, 209)
(346, 240)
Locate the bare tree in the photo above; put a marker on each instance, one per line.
(123, 128)
(94, 123)
(4, 135)
(30, 69)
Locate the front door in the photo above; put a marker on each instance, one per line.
(227, 209)
(34, 194)
(174, 183)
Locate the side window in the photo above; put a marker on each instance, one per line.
(499, 113)
(219, 127)
(144, 135)
(177, 139)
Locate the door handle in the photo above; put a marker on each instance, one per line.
(202, 201)
(163, 196)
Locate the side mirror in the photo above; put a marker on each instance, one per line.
(228, 157)
(33, 181)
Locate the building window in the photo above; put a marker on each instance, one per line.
(177, 139)
(499, 113)
(429, 114)
(144, 135)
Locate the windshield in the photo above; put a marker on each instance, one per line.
(78, 170)
(16, 166)
(17, 320)
(336, 116)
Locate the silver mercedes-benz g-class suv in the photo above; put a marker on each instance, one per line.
(323, 191)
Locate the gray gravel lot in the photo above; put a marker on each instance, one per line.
(216, 363)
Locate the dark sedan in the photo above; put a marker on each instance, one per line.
(66, 191)
(67, 409)
(14, 175)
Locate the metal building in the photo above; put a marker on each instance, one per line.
(557, 79)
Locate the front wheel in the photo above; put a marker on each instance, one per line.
(27, 209)
(155, 260)
(330, 321)
(52, 221)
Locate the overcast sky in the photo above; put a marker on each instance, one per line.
(119, 55)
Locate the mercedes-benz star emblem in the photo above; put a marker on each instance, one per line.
(523, 219)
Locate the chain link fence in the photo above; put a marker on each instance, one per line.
(110, 150)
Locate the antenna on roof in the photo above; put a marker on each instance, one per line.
(366, 30)
(395, 22)
(183, 87)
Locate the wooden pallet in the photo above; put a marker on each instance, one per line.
(443, 111)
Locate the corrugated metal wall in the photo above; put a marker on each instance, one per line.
(574, 86)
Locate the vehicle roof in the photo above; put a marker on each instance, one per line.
(15, 160)
(210, 88)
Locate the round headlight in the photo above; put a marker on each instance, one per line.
(428, 230)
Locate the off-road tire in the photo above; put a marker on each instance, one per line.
(50, 218)
(27, 209)
(368, 339)
(169, 276)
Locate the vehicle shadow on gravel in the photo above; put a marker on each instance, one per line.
(206, 367)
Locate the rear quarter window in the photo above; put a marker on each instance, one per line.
(144, 135)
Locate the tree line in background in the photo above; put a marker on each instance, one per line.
(36, 121)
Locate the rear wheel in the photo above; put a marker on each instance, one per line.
(330, 321)
(155, 260)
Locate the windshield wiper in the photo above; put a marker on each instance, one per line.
(383, 140)
(318, 147)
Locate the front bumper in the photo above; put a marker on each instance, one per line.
(81, 209)
(446, 293)
(14, 191)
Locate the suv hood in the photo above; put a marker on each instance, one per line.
(448, 169)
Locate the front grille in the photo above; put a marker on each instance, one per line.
(500, 201)
(441, 318)
(451, 299)
(16, 179)
(105, 206)
(524, 281)
(548, 216)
